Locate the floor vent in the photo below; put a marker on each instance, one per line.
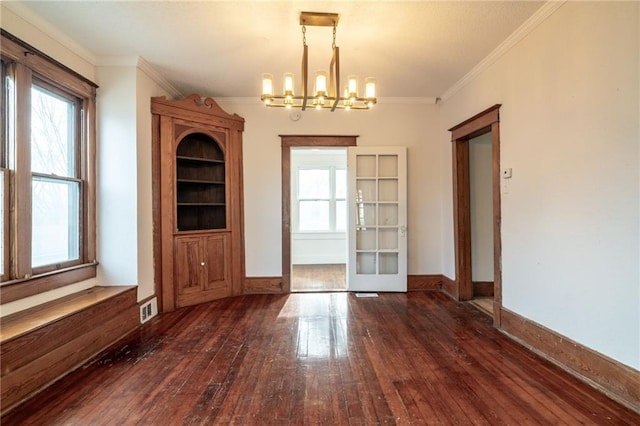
(366, 294)
(148, 310)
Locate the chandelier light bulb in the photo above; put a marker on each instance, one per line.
(321, 84)
(288, 84)
(267, 85)
(370, 88)
(352, 87)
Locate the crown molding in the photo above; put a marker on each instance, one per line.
(50, 31)
(150, 71)
(144, 66)
(408, 101)
(520, 33)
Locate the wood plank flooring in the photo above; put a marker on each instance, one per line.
(318, 277)
(322, 358)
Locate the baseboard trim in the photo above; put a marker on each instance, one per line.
(424, 282)
(263, 285)
(449, 287)
(616, 380)
(482, 288)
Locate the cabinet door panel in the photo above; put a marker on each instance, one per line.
(189, 270)
(217, 265)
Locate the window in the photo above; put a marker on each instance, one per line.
(321, 199)
(47, 209)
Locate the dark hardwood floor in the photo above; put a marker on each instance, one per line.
(324, 358)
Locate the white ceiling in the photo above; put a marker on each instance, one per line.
(220, 48)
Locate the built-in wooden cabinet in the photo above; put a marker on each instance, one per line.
(197, 186)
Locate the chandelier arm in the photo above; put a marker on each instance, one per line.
(334, 78)
(305, 76)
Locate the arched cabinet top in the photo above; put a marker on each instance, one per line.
(199, 109)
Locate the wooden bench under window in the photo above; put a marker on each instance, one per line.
(43, 343)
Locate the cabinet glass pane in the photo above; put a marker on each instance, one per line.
(388, 238)
(314, 215)
(388, 215)
(365, 190)
(388, 166)
(365, 239)
(366, 215)
(388, 263)
(365, 263)
(365, 166)
(388, 190)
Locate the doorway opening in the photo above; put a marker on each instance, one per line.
(290, 142)
(471, 131)
(318, 219)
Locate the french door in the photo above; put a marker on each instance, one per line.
(377, 254)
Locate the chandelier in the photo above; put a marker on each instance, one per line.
(326, 93)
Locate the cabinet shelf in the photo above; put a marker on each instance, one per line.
(201, 204)
(200, 181)
(184, 158)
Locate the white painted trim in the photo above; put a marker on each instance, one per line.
(409, 101)
(150, 71)
(117, 61)
(523, 30)
(144, 66)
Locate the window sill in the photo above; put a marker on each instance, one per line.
(11, 291)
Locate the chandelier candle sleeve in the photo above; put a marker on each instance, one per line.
(267, 85)
(288, 84)
(352, 91)
(321, 84)
(370, 88)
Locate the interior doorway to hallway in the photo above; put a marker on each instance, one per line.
(462, 136)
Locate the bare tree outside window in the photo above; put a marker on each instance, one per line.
(55, 188)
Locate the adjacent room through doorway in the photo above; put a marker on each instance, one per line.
(318, 219)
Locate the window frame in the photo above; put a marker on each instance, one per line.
(27, 66)
(333, 199)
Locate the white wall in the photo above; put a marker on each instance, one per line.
(569, 129)
(146, 88)
(481, 206)
(117, 190)
(386, 125)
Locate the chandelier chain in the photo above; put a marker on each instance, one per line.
(335, 27)
(304, 35)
